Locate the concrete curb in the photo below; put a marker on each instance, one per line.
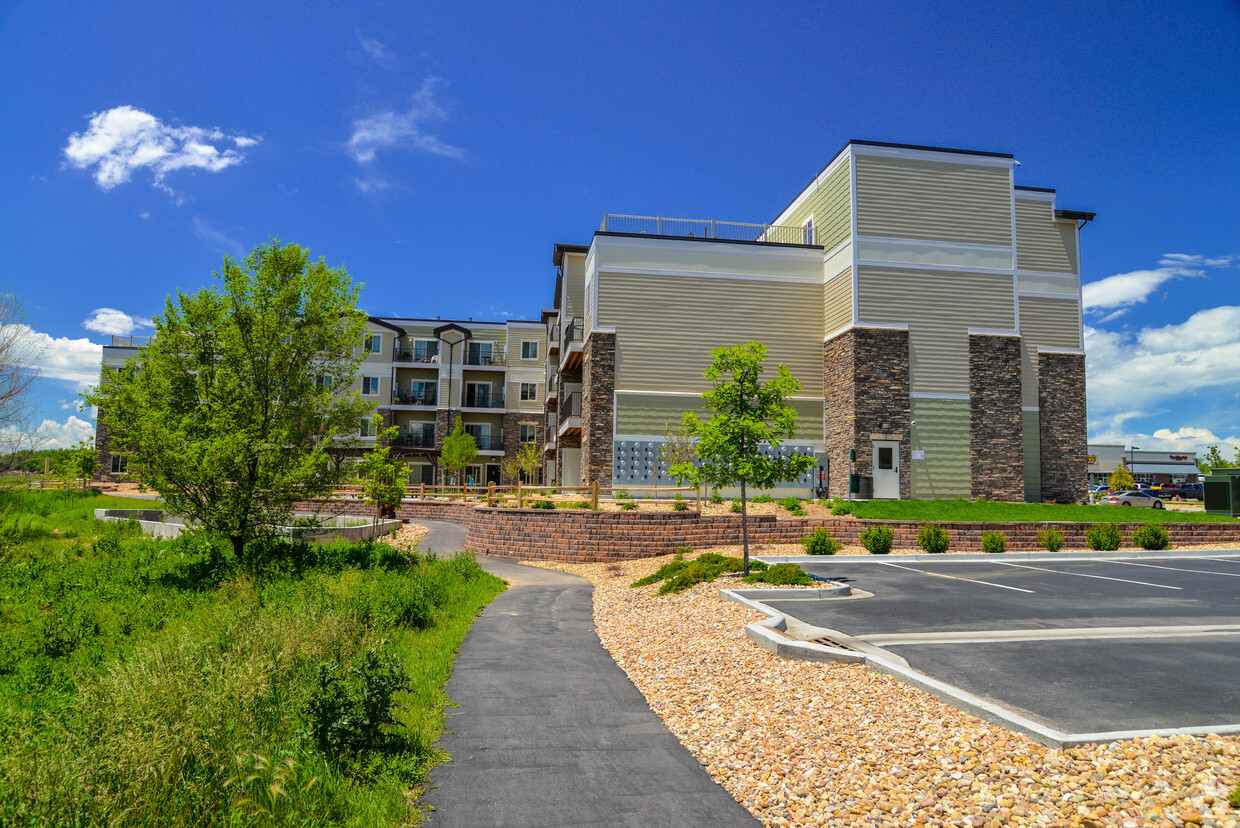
(1036, 557)
(772, 634)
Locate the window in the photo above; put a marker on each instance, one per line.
(420, 393)
(365, 428)
(529, 350)
(808, 231)
(373, 343)
(370, 385)
(479, 395)
(323, 382)
(480, 353)
(119, 463)
(529, 391)
(426, 352)
(529, 433)
(421, 473)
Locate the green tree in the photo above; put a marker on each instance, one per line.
(19, 355)
(748, 416)
(524, 463)
(459, 450)
(1213, 459)
(678, 451)
(1121, 480)
(228, 412)
(383, 476)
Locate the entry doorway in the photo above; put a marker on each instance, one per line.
(886, 469)
(570, 462)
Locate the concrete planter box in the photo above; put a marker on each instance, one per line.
(160, 524)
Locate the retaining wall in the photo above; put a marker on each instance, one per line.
(582, 536)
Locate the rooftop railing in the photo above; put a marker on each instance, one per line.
(706, 229)
(130, 341)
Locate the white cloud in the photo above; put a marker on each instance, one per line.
(52, 434)
(1196, 260)
(144, 215)
(377, 51)
(205, 231)
(124, 139)
(113, 321)
(404, 129)
(1183, 439)
(74, 360)
(370, 186)
(1126, 289)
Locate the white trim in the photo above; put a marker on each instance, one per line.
(992, 332)
(1080, 286)
(1032, 195)
(852, 234)
(746, 277)
(941, 156)
(828, 279)
(1001, 271)
(535, 343)
(928, 395)
(1015, 251)
(812, 187)
(1067, 297)
(704, 246)
(872, 326)
(1060, 275)
(1031, 408)
(1065, 351)
(997, 248)
(604, 329)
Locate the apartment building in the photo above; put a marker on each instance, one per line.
(929, 306)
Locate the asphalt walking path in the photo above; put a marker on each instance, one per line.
(547, 730)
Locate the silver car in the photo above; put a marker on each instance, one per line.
(1147, 499)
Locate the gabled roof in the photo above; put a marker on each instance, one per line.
(376, 321)
(452, 326)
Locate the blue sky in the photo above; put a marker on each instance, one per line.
(438, 150)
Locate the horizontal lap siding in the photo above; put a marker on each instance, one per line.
(651, 415)
(1042, 242)
(1033, 457)
(831, 206)
(837, 304)
(1049, 323)
(939, 308)
(907, 199)
(574, 303)
(942, 432)
(666, 327)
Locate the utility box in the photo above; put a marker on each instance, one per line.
(1222, 492)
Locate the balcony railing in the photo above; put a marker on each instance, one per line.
(553, 332)
(417, 439)
(411, 398)
(571, 407)
(130, 341)
(483, 359)
(475, 400)
(575, 330)
(707, 229)
(489, 442)
(416, 356)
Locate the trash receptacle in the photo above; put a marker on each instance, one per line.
(1222, 492)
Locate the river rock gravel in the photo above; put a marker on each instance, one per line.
(809, 744)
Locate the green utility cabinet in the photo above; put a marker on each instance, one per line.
(1222, 492)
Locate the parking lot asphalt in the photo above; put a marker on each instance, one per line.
(1088, 645)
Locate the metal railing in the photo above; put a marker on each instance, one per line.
(575, 330)
(130, 341)
(707, 229)
(410, 398)
(473, 399)
(571, 407)
(482, 359)
(553, 332)
(417, 439)
(424, 357)
(489, 442)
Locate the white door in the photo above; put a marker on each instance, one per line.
(886, 470)
(570, 461)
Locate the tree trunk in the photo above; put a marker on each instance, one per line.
(745, 526)
(238, 544)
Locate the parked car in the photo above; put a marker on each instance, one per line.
(1133, 498)
(1185, 491)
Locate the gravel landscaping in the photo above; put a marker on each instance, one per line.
(801, 743)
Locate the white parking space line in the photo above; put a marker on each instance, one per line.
(1223, 560)
(954, 578)
(1084, 575)
(1177, 569)
(1063, 634)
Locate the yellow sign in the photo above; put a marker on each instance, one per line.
(1093, 458)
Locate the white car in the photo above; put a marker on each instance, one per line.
(1146, 499)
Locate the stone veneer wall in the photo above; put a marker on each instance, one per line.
(103, 445)
(1062, 427)
(442, 429)
(996, 427)
(598, 406)
(582, 536)
(513, 420)
(866, 382)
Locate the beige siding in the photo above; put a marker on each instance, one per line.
(512, 398)
(574, 287)
(419, 331)
(837, 304)
(1033, 457)
(1049, 323)
(1042, 242)
(939, 308)
(942, 432)
(651, 415)
(664, 337)
(831, 206)
(902, 198)
(518, 335)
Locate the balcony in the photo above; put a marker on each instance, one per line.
(574, 334)
(487, 442)
(130, 341)
(489, 360)
(416, 357)
(553, 335)
(570, 414)
(417, 439)
(411, 398)
(476, 399)
(706, 229)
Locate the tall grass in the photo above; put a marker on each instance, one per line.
(152, 683)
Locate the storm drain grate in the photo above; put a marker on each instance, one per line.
(830, 642)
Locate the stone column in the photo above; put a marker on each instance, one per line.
(1062, 426)
(996, 429)
(598, 408)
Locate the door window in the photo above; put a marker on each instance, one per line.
(885, 458)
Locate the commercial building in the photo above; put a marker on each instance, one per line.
(1158, 468)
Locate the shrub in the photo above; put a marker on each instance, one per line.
(666, 571)
(574, 504)
(736, 507)
(1233, 798)
(841, 507)
(790, 503)
(541, 504)
(351, 709)
(627, 507)
(994, 542)
(877, 540)
(1151, 536)
(933, 538)
(684, 550)
(1103, 537)
(820, 542)
(621, 494)
(1051, 539)
(780, 575)
(766, 498)
(715, 497)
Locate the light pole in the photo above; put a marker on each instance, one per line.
(1132, 467)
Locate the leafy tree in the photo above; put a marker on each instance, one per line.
(383, 476)
(459, 450)
(678, 451)
(228, 412)
(524, 463)
(748, 415)
(18, 355)
(1121, 480)
(1213, 459)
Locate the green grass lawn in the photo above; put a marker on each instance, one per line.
(148, 682)
(986, 511)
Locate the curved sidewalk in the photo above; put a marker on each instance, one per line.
(547, 730)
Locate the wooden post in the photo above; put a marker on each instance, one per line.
(594, 495)
(520, 496)
(421, 491)
(490, 494)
